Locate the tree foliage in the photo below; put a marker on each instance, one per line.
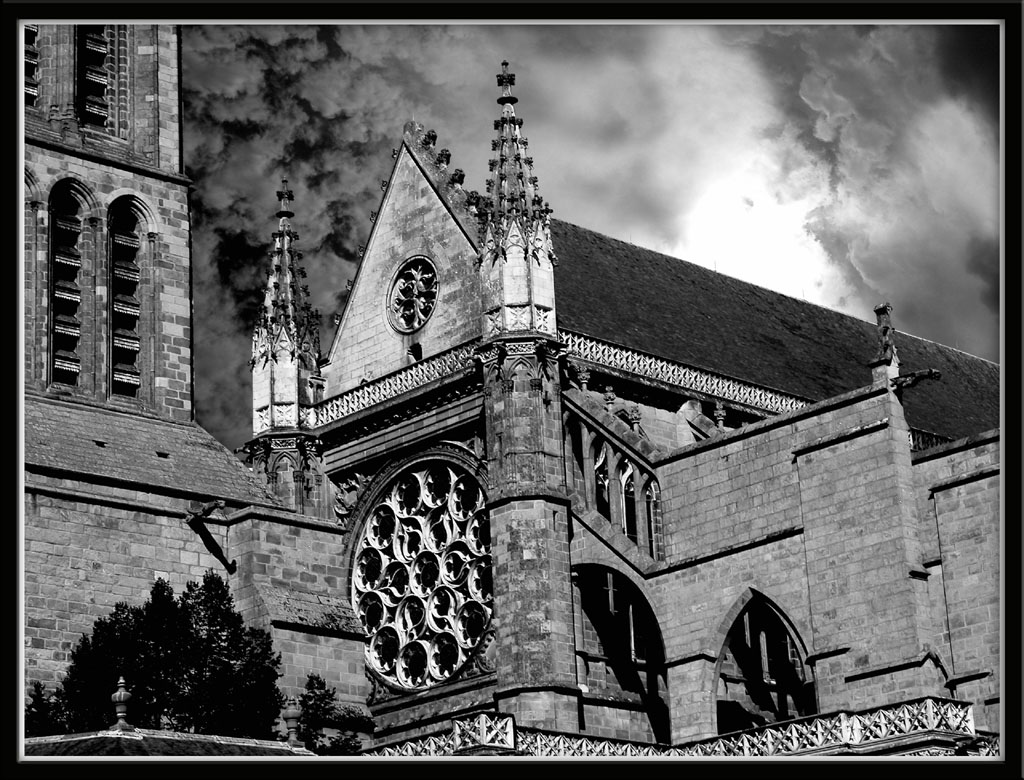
(328, 727)
(190, 664)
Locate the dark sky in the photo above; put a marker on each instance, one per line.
(847, 165)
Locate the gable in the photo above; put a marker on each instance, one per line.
(414, 222)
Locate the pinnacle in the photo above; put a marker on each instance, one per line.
(286, 305)
(512, 189)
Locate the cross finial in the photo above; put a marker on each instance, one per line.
(506, 80)
(286, 196)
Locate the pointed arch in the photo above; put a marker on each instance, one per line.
(71, 205)
(619, 645)
(33, 193)
(129, 221)
(760, 675)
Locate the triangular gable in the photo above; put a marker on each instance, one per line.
(415, 220)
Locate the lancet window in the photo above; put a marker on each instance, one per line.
(91, 75)
(762, 676)
(31, 64)
(65, 292)
(125, 309)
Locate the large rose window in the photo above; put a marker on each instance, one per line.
(422, 578)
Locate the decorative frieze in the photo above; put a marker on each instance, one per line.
(949, 720)
(685, 377)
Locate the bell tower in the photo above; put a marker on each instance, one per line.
(520, 356)
(286, 380)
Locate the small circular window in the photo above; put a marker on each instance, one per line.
(412, 295)
(421, 583)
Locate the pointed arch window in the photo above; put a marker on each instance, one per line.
(601, 479)
(65, 292)
(92, 78)
(31, 65)
(125, 310)
(629, 519)
(762, 677)
(652, 509)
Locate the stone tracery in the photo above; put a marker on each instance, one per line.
(413, 295)
(421, 582)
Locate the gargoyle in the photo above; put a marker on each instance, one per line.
(196, 520)
(901, 383)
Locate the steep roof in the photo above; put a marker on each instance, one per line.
(63, 435)
(664, 306)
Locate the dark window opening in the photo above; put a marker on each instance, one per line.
(91, 76)
(65, 294)
(124, 303)
(762, 678)
(31, 65)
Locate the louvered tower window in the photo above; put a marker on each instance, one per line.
(91, 75)
(31, 64)
(65, 294)
(124, 303)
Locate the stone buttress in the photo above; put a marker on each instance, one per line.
(520, 358)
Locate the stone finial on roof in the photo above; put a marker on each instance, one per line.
(886, 365)
(288, 319)
(120, 698)
(886, 332)
(292, 713)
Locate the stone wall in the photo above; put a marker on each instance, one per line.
(88, 546)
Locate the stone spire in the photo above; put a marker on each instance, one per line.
(287, 321)
(516, 255)
(286, 380)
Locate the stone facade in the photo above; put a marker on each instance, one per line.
(653, 551)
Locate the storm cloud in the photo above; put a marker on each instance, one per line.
(847, 165)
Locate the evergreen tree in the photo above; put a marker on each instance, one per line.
(191, 665)
(328, 727)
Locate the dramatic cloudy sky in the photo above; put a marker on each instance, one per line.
(846, 165)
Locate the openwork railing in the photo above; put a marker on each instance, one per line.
(868, 729)
(390, 386)
(678, 374)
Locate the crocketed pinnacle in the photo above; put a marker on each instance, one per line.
(512, 191)
(287, 319)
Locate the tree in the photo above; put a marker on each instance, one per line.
(191, 664)
(328, 727)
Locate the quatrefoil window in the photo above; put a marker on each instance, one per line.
(412, 295)
(422, 579)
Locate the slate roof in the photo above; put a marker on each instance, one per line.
(664, 306)
(63, 434)
(150, 742)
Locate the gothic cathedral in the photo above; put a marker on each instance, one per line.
(544, 493)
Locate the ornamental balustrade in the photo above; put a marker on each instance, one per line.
(387, 387)
(819, 734)
(683, 376)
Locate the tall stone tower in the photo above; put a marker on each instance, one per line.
(286, 380)
(108, 304)
(527, 501)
